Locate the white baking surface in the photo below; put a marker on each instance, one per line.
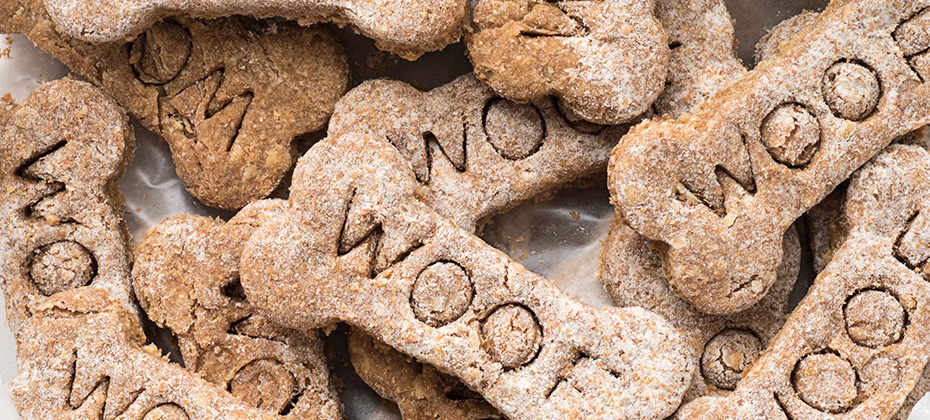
(558, 238)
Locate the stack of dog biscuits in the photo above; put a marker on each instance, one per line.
(350, 253)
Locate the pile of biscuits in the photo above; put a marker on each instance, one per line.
(709, 165)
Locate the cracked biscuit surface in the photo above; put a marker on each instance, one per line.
(230, 96)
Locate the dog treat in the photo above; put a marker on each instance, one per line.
(81, 351)
(355, 243)
(407, 28)
(186, 278)
(230, 96)
(420, 391)
(703, 53)
(857, 344)
(723, 345)
(84, 357)
(828, 230)
(769, 44)
(61, 152)
(605, 60)
(475, 154)
(719, 186)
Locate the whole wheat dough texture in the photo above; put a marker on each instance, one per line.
(420, 391)
(474, 153)
(847, 351)
(230, 96)
(605, 60)
(408, 28)
(186, 278)
(719, 186)
(703, 53)
(354, 245)
(61, 151)
(723, 346)
(81, 353)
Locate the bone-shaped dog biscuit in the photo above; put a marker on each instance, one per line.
(230, 96)
(723, 345)
(186, 279)
(85, 358)
(356, 245)
(856, 346)
(718, 187)
(420, 391)
(475, 154)
(66, 281)
(406, 27)
(605, 60)
(61, 152)
(703, 53)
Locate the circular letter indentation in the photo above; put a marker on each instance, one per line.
(166, 412)
(265, 384)
(727, 355)
(62, 266)
(511, 336)
(874, 318)
(441, 294)
(515, 130)
(791, 134)
(826, 382)
(851, 90)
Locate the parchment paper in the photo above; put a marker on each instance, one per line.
(558, 238)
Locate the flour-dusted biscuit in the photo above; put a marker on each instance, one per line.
(83, 356)
(719, 186)
(81, 351)
(786, 30)
(230, 96)
(420, 391)
(186, 277)
(605, 60)
(703, 53)
(474, 153)
(356, 245)
(408, 28)
(61, 152)
(856, 346)
(723, 345)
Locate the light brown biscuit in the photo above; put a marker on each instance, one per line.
(475, 154)
(769, 45)
(724, 345)
(605, 60)
(406, 27)
(84, 357)
(856, 346)
(81, 352)
(61, 152)
(703, 53)
(707, 186)
(186, 278)
(356, 242)
(420, 391)
(230, 96)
